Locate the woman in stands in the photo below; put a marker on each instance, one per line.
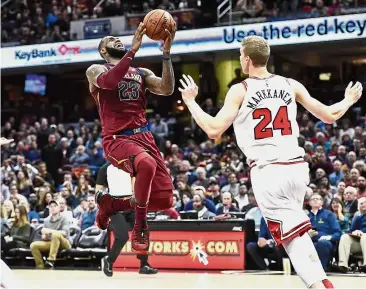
(9, 211)
(343, 218)
(19, 233)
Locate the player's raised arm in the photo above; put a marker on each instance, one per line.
(163, 85)
(327, 114)
(108, 79)
(212, 126)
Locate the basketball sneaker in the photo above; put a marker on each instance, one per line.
(107, 267)
(140, 238)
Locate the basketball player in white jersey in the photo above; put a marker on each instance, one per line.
(119, 184)
(263, 111)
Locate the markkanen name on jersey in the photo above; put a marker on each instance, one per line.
(269, 93)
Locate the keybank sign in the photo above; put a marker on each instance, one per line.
(300, 31)
(34, 54)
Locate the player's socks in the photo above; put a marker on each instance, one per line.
(305, 260)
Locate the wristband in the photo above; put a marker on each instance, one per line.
(166, 58)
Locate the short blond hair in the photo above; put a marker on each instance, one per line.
(257, 49)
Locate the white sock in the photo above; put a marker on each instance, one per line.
(305, 259)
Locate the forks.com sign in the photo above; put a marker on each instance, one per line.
(189, 250)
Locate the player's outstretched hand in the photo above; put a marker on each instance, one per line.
(169, 39)
(137, 38)
(189, 90)
(5, 141)
(353, 93)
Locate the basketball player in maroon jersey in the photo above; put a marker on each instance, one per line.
(119, 92)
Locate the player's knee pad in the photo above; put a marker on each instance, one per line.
(305, 259)
(145, 164)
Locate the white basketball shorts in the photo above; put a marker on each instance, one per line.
(279, 189)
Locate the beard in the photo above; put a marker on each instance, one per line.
(116, 53)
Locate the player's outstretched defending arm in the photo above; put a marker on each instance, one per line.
(212, 126)
(163, 85)
(327, 114)
(101, 77)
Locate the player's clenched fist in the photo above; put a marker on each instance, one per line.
(189, 90)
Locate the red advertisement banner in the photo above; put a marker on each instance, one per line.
(190, 250)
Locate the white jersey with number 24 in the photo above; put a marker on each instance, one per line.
(265, 127)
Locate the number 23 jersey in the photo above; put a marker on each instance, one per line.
(123, 107)
(265, 127)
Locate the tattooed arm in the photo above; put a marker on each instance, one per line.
(163, 85)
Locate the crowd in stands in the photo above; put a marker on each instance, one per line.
(30, 22)
(51, 165)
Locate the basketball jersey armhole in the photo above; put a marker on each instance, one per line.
(245, 84)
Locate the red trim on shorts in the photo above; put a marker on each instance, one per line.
(275, 227)
(253, 164)
(245, 84)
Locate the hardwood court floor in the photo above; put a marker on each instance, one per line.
(126, 279)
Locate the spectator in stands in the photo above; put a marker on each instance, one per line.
(325, 229)
(252, 203)
(166, 5)
(46, 176)
(47, 198)
(65, 210)
(242, 198)
(340, 191)
(52, 156)
(159, 127)
(146, 8)
(88, 217)
(9, 211)
(213, 192)
(201, 178)
(361, 187)
(71, 200)
(15, 194)
(355, 241)
(343, 218)
(206, 201)
(233, 186)
(198, 205)
(19, 233)
(265, 248)
(227, 204)
(24, 184)
(337, 175)
(80, 209)
(80, 157)
(55, 234)
(350, 200)
(238, 78)
(254, 10)
(354, 175)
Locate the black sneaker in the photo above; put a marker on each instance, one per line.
(342, 269)
(148, 270)
(363, 268)
(107, 267)
(49, 264)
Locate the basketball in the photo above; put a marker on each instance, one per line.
(156, 22)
